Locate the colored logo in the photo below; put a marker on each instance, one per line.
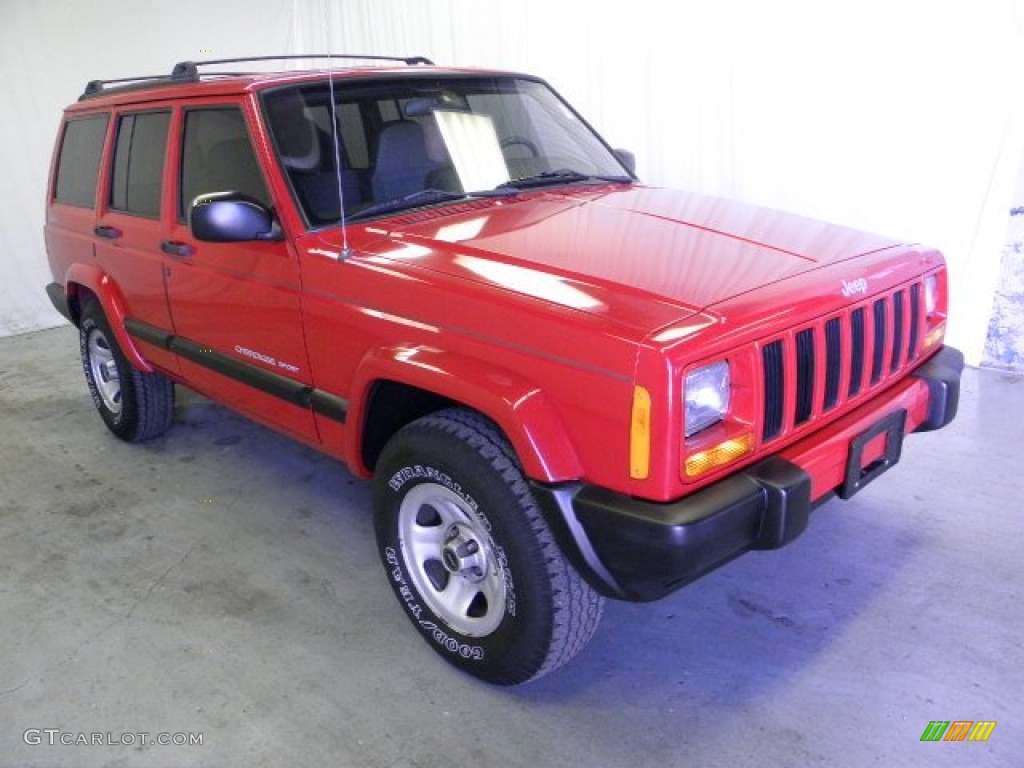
(958, 730)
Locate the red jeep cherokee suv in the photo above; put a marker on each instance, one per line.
(565, 385)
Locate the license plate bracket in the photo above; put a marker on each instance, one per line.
(893, 427)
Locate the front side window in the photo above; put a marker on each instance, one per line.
(138, 170)
(79, 161)
(217, 156)
(421, 140)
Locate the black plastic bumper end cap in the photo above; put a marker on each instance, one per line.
(942, 375)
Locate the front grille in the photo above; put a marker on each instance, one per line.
(837, 359)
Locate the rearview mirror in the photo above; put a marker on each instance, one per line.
(228, 217)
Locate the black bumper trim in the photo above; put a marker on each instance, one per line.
(640, 551)
(942, 375)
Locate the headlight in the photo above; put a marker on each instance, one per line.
(706, 396)
(931, 292)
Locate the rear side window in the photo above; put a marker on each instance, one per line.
(217, 156)
(79, 161)
(139, 163)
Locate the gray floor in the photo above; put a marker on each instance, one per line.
(222, 580)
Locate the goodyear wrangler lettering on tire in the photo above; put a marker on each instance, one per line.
(404, 592)
(510, 597)
(406, 474)
(452, 645)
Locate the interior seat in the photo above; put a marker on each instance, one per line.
(402, 162)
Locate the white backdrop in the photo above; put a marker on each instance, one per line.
(49, 49)
(897, 116)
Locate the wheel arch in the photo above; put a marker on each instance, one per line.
(83, 282)
(398, 385)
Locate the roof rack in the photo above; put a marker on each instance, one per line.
(188, 71)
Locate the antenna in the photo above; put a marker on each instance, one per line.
(346, 251)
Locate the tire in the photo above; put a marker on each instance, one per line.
(469, 555)
(135, 406)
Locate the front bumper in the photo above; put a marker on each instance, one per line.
(638, 550)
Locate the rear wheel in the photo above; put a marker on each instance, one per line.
(135, 406)
(469, 555)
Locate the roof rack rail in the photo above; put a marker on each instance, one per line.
(188, 71)
(96, 87)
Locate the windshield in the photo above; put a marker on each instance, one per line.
(410, 142)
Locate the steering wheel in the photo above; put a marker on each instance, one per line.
(513, 140)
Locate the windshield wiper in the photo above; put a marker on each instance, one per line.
(427, 197)
(505, 189)
(559, 176)
(423, 197)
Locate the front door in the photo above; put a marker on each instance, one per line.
(235, 306)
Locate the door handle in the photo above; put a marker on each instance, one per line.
(106, 232)
(177, 248)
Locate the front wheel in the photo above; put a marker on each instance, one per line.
(469, 555)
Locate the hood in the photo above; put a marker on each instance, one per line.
(643, 256)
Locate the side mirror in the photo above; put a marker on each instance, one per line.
(627, 158)
(230, 217)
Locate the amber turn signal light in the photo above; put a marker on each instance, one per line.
(725, 452)
(640, 435)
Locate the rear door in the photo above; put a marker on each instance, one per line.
(131, 220)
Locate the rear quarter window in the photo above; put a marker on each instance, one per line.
(79, 160)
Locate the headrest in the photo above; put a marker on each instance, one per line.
(298, 138)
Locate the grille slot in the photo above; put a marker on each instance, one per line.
(915, 320)
(856, 350)
(774, 389)
(897, 331)
(878, 351)
(860, 349)
(833, 362)
(804, 376)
